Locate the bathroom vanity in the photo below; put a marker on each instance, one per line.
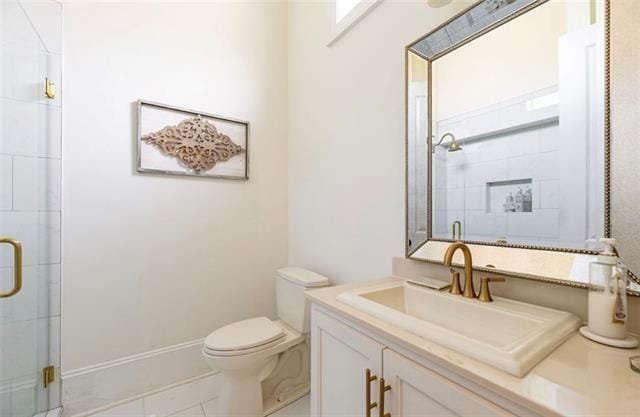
(412, 375)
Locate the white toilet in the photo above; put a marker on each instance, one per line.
(264, 364)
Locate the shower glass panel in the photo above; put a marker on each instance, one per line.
(30, 206)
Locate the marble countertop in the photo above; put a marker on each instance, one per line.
(579, 378)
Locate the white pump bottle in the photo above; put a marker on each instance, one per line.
(607, 320)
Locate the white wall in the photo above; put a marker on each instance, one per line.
(151, 260)
(485, 74)
(346, 137)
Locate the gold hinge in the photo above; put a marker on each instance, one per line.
(48, 375)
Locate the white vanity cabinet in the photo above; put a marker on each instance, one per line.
(340, 356)
(417, 391)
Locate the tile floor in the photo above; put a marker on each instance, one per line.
(299, 408)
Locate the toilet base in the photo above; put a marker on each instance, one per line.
(240, 397)
(261, 384)
(289, 380)
(270, 405)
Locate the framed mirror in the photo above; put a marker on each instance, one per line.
(508, 138)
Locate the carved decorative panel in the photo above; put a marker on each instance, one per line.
(184, 142)
(195, 142)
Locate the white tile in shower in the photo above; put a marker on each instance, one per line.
(46, 17)
(19, 128)
(511, 145)
(469, 155)
(440, 199)
(539, 223)
(15, 26)
(6, 304)
(550, 194)
(49, 237)
(25, 305)
(455, 199)
(479, 222)
(18, 358)
(549, 139)
(48, 290)
(49, 131)
(182, 397)
(455, 177)
(53, 341)
(130, 409)
(6, 60)
(5, 398)
(49, 185)
(23, 401)
(474, 198)
(439, 222)
(26, 80)
(50, 66)
(482, 173)
(538, 167)
(6, 182)
(22, 225)
(25, 183)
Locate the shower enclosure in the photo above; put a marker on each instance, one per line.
(30, 206)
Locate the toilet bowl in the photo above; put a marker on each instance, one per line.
(264, 364)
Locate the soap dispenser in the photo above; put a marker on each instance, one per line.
(607, 315)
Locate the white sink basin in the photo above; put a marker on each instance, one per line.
(509, 335)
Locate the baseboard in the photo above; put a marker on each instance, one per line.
(104, 385)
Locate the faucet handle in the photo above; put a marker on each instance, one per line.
(455, 282)
(485, 294)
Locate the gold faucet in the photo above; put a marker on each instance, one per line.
(485, 294)
(468, 290)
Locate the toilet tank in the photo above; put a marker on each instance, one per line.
(293, 307)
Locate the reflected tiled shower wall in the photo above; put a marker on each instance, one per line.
(30, 203)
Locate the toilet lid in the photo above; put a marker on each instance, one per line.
(244, 335)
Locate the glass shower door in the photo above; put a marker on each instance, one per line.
(30, 211)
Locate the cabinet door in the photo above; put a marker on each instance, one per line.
(340, 356)
(419, 392)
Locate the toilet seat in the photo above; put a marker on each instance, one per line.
(244, 337)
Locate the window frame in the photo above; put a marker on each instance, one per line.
(339, 28)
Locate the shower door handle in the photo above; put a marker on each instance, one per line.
(17, 267)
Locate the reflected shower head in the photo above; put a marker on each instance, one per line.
(453, 146)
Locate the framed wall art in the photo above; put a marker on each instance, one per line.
(177, 141)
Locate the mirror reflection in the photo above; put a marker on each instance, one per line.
(506, 133)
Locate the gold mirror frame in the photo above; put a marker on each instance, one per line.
(411, 48)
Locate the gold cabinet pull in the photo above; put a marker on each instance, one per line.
(383, 388)
(368, 405)
(17, 267)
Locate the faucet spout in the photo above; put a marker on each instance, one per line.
(468, 290)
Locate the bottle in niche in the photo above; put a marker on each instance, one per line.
(519, 201)
(509, 205)
(527, 200)
(607, 313)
